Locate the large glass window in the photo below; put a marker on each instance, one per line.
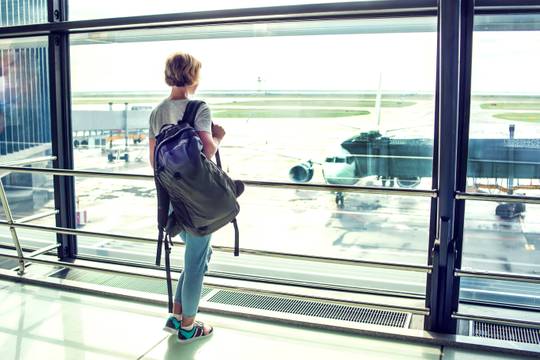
(22, 12)
(318, 102)
(82, 10)
(25, 134)
(504, 157)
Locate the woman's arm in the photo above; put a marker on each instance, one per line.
(210, 144)
(151, 146)
(211, 141)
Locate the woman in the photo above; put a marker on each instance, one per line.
(182, 74)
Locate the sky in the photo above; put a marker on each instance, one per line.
(503, 62)
(337, 62)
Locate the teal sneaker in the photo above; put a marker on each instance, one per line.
(172, 325)
(197, 332)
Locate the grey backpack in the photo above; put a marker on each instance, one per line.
(202, 197)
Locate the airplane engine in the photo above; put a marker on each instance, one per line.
(301, 173)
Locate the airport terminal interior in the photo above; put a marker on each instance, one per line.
(390, 152)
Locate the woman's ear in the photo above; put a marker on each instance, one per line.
(192, 88)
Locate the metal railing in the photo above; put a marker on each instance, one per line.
(225, 249)
(13, 224)
(266, 184)
(29, 161)
(36, 216)
(7, 210)
(492, 275)
(415, 310)
(492, 320)
(502, 198)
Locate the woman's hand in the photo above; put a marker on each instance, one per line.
(218, 132)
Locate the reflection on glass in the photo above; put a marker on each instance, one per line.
(504, 158)
(22, 12)
(25, 131)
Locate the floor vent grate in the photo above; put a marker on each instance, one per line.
(8, 264)
(505, 332)
(156, 286)
(312, 308)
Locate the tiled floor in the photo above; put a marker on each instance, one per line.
(42, 323)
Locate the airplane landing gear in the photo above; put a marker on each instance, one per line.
(387, 182)
(340, 199)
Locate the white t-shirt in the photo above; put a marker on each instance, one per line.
(170, 111)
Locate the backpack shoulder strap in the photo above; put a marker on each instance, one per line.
(191, 111)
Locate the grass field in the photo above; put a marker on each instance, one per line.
(319, 102)
(285, 113)
(527, 117)
(259, 99)
(511, 106)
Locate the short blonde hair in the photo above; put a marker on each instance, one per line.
(182, 69)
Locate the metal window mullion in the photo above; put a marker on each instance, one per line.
(61, 136)
(433, 214)
(444, 249)
(465, 63)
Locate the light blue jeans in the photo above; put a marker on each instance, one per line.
(196, 258)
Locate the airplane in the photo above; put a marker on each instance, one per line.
(403, 162)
